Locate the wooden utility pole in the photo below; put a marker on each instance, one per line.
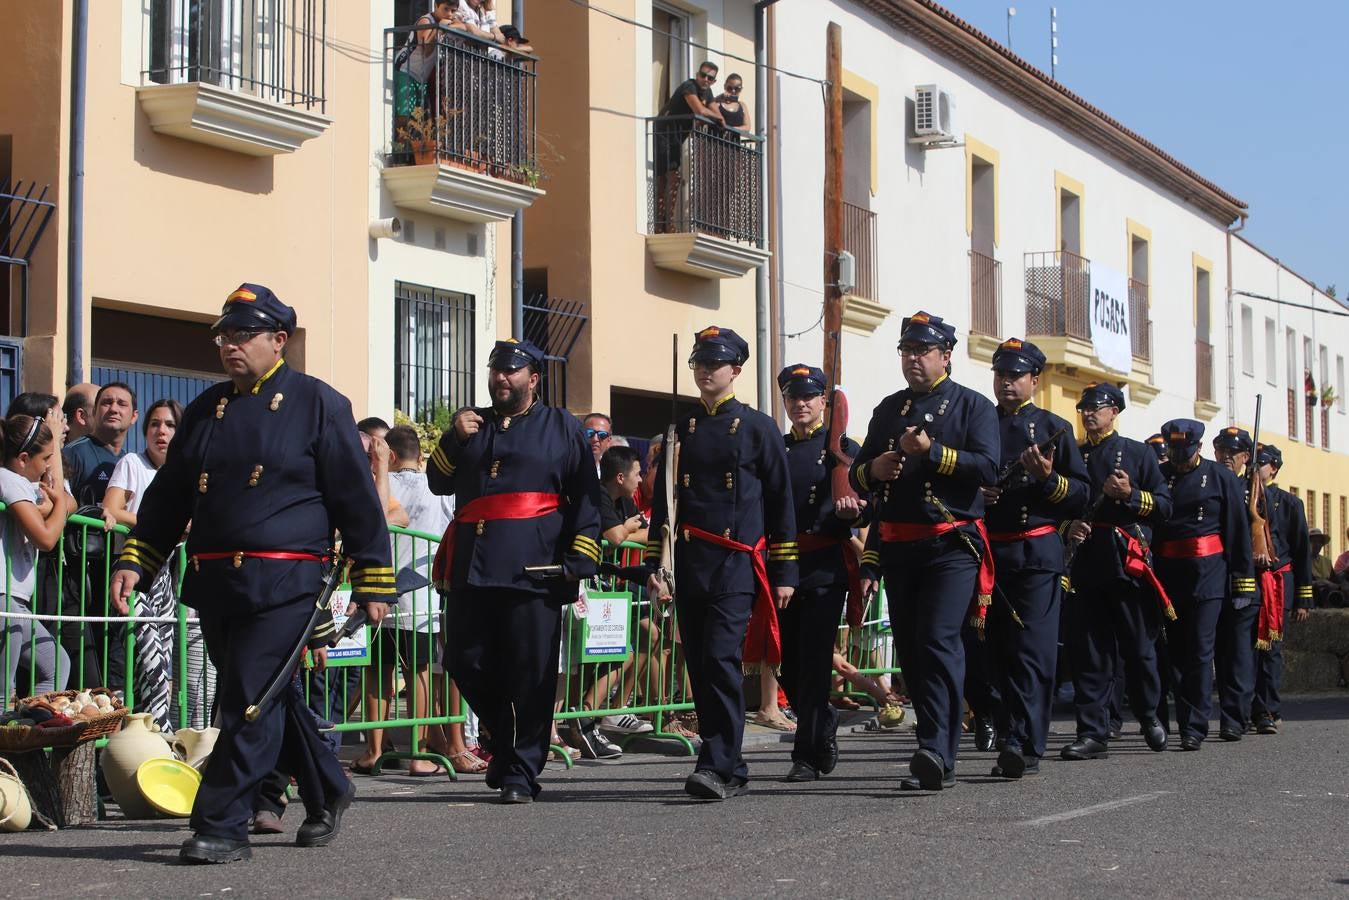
(833, 202)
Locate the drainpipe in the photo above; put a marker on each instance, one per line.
(1231, 345)
(79, 42)
(762, 338)
(518, 220)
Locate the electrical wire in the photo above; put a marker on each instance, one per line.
(1290, 303)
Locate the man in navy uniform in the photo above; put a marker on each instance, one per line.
(733, 501)
(1116, 598)
(1203, 554)
(265, 466)
(828, 567)
(526, 494)
(928, 450)
(1234, 651)
(1285, 585)
(1036, 494)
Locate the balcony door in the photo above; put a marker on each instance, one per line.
(670, 53)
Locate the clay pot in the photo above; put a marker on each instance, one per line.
(194, 745)
(15, 810)
(138, 741)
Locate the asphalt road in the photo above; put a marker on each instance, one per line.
(1266, 817)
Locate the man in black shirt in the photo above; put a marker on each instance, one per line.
(692, 98)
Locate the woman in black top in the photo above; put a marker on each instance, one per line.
(728, 104)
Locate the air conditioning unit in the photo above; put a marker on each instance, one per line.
(933, 115)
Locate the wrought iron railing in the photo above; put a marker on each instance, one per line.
(24, 214)
(1325, 445)
(1203, 371)
(985, 294)
(462, 101)
(1058, 289)
(553, 324)
(859, 239)
(704, 178)
(433, 351)
(1292, 413)
(272, 49)
(1140, 329)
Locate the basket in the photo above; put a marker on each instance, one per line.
(64, 736)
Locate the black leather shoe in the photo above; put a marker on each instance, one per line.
(802, 772)
(985, 734)
(911, 783)
(1116, 729)
(1266, 725)
(705, 785)
(266, 822)
(1155, 735)
(1230, 734)
(1085, 748)
(1011, 764)
(515, 793)
(319, 830)
(828, 759)
(927, 767)
(1032, 765)
(202, 849)
(1190, 742)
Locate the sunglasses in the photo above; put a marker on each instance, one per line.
(708, 76)
(734, 90)
(596, 433)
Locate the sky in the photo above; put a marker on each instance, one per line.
(1254, 96)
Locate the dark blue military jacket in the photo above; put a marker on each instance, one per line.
(542, 450)
(1026, 502)
(279, 467)
(731, 480)
(1101, 557)
(810, 465)
(1208, 499)
(1288, 526)
(962, 458)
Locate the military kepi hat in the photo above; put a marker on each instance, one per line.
(1234, 439)
(801, 380)
(1016, 355)
(1097, 395)
(1157, 444)
(509, 354)
(716, 344)
(1183, 432)
(925, 328)
(256, 307)
(1269, 455)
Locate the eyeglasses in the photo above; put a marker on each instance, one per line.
(916, 350)
(596, 433)
(709, 76)
(235, 338)
(734, 90)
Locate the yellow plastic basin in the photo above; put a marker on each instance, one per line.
(169, 785)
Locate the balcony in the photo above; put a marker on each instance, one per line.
(703, 198)
(462, 143)
(1058, 291)
(1206, 407)
(862, 310)
(1140, 329)
(246, 76)
(985, 306)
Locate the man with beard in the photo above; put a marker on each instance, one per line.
(928, 450)
(1114, 595)
(526, 494)
(1203, 558)
(1038, 492)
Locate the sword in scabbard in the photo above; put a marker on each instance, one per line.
(978, 557)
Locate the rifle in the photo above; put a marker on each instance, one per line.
(1262, 542)
(1014, 467)
(1074, 546)
(670, 449)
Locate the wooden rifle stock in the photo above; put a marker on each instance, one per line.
(1262, 542)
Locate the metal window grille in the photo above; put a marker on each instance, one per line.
(272, 49)
(554, 325)
(1292, 413)
(11, 365)
(1325, 427)
(1139, 326)
(24, 214)
(1203, 372)
(859, 239)
(151, 384)
(985, 294)
(1058, 289)
(433, 350)
(705, 179)
(476, 109)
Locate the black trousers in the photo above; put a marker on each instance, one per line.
(1234, 662)
(1191, 642)
(1024, 660)
(809, 627)
(929, 585)
(247, 651)
(1269, 663)
(502, 650)
(712, 632)
(1101, 615)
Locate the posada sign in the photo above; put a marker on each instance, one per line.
(1108, 309)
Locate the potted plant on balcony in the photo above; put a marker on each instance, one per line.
(418, 134)
(1309, 387)
(1328, 397)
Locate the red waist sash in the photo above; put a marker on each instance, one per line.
(1190, 548)
(809, 543)
(1270, 627)
(488, 508)
(895, 532)
(240, 555)
(763, 640)
(1136, 565)
(1008, 537)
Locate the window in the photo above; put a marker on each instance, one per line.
(1271, 353)
(860, 101)
(1339, 384)
(1311, 508)
(1308, 400)
(1140, 253)
(1340, 535)
(1325, 515)
(981, 222)
(669, 53)
(433, 350)
(1294, 380)
(1070, 221)
(1247, 342)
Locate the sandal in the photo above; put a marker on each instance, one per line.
(843, 701)
(777, 723)
(438, 770)
(465, 763)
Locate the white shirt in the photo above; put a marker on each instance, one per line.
(428, 514)
(14, 543)
(133, 474)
